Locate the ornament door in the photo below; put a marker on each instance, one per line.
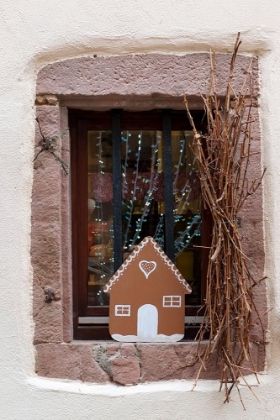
(147, 323)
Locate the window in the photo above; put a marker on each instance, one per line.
(50, 246)
(172, 301)
(133, 175)
(122, 310)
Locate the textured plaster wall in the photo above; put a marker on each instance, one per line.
(35, 33)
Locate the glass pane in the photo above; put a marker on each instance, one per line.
(143, 209)
(100, 216)
(187, 213)
(143, 188)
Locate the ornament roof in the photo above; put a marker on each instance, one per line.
(132, 256)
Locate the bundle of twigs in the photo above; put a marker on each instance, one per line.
(223, 158)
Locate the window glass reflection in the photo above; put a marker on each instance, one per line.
(143, 208)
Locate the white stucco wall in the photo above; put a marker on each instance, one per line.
(36, 32)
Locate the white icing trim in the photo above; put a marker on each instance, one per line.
(160, 338)
(136, 251)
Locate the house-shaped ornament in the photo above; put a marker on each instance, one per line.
(147, 297)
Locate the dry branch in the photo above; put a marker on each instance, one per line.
(49, 144)
(223, 158)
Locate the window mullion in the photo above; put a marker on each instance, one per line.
(117, 188)
(168, 184)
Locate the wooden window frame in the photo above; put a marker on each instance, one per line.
(80, 122)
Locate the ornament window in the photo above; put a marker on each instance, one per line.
(171, 301)
(122, 310)
(133, 175)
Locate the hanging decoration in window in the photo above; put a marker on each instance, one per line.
(143, 203)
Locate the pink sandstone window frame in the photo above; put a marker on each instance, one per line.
(141, 82)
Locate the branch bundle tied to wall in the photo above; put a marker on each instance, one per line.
(223, 159)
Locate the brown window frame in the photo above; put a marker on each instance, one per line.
(79, 123)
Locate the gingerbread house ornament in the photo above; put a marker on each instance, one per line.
(147, 297)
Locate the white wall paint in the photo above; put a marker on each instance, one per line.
(36, 32)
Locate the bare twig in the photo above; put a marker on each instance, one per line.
(223, 159)
(49, 144)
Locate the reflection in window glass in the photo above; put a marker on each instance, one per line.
(100, 215)
(143, 205)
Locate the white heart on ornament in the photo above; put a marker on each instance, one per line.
(147, 267)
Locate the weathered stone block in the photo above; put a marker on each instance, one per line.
(126, 371)
(48, 323)
(128, 349)
(158, 361)
(69, 361)
(58, 361)
(112, 348)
